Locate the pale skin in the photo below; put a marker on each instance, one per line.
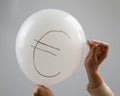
(98, 51)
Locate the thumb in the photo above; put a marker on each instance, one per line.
(90, 43)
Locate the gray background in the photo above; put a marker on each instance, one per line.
(100, 20)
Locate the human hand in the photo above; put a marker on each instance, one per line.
(97, 53)
(41, 90)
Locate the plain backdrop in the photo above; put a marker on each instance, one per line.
(100, 20)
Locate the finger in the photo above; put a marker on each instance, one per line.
(102, 54)
(101, 43)
(99, 50)
(37, 90)
(36, 94)
(106, 46)
(90, 43)
(44, 87)
(38, 85)
(88, 55)
(103, 48)
(92, 47)
(94, 51)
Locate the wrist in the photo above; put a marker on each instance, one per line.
(91, 69)
(95, 79)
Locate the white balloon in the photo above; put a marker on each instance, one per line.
(49, 46)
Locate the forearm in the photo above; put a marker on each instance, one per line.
(94, 77)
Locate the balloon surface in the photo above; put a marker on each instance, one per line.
(49, 46)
